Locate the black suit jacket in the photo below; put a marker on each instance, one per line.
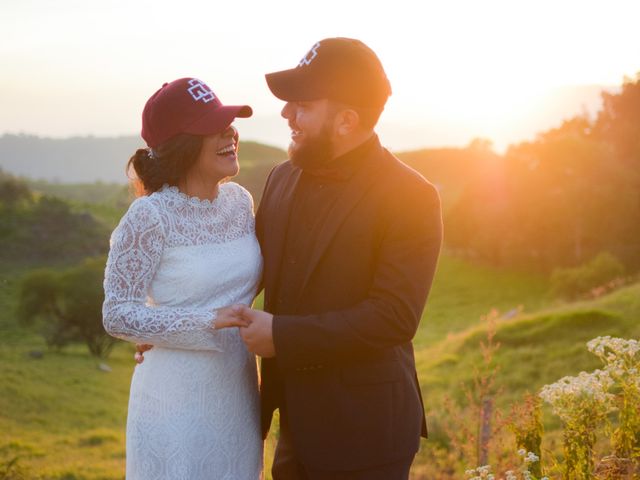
(344, 360)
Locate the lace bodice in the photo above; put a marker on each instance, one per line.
(174, 260)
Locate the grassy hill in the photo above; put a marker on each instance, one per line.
(536, 348)
(107, 201)
(93, 168)
(94, 159)
(451, 169)
(65, 418)
(98, 184)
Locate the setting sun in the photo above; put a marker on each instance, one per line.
(459, 69)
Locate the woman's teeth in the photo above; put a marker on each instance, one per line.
(228, 150)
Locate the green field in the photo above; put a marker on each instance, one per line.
(63, 418)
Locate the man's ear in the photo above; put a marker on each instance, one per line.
(347, 122)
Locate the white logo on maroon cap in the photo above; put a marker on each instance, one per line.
(200, 91)
(308, 58)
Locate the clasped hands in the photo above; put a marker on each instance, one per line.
(255, 329)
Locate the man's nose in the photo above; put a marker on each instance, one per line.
(287, 110)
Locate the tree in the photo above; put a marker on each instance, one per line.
(618, 123)
(12, 191)
(562, 198)
(67, 306)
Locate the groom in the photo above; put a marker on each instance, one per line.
(350, 238)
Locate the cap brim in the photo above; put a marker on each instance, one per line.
(216, 121)
(294, 85)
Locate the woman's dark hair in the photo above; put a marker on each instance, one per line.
(168, 163)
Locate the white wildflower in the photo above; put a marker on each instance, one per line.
(566, 395)
(531, 458)
(484, 470)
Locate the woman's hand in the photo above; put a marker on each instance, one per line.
(231, 316)
(140, 349)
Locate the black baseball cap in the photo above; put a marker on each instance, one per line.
(340, 69)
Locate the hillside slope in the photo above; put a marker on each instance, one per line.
(66, 419)
(535, 349)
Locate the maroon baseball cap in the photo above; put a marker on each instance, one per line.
(186, 105)
(341, 69)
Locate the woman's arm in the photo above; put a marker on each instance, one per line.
(136, 248)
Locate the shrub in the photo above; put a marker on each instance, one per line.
(574, 282)
(67, 306)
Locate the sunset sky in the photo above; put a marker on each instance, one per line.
(459, 69)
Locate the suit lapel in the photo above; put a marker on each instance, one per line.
(276, 229)
(353, 192)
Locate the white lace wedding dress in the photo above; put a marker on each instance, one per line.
(194, 405)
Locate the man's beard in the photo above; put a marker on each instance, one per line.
(314, 152)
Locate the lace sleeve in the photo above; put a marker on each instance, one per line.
(136, 249)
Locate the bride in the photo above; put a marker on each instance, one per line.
(186, 248)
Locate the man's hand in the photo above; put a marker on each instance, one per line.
(255, 328)
(258, 336)
(140, 349)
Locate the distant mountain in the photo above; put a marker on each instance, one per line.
(85, 160)
(91, 159)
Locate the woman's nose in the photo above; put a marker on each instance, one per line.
(230, 131)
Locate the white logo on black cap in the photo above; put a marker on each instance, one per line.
(200, 91)
(308, 58)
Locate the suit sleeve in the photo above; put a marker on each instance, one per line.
(390, 314)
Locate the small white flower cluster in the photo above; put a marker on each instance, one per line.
(570, 396)
(480, 473)
(527, 457)
(620, 356)
(616, 346)
(484, 472)
(510, 475)
(526, 475)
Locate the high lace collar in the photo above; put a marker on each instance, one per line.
(173, 191)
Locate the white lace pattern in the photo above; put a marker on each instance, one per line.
(173, 261)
